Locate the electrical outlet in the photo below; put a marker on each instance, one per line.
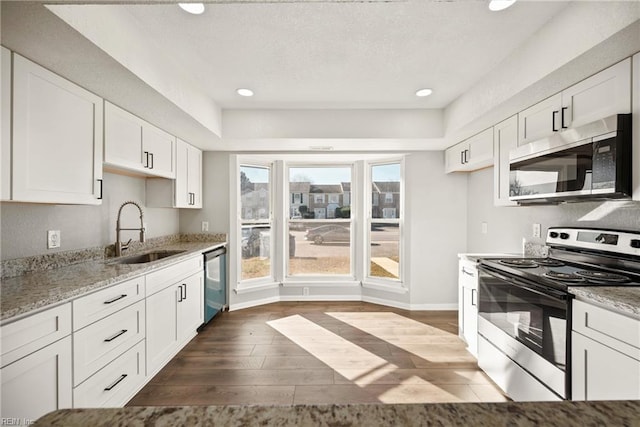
(485, 228)
(537, 232)
(205, 225)
(53, 239)
(305, 291)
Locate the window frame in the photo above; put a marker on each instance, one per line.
(368, 220)
(270, 222)
(324, 278)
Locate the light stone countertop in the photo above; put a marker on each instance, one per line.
(513, 414)
(29, 293)
(623, 299)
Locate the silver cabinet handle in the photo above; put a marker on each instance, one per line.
(464, 271)
(474, 298)
(122, 377)
(115, 336)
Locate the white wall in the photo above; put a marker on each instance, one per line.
(436, 212)
(507, 226)
(24, 226)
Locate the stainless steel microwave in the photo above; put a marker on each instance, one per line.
(592, 161)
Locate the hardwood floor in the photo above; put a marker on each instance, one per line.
(317, 352)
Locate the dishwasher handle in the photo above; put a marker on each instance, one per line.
(215, 253)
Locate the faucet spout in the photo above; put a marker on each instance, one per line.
(119, 246)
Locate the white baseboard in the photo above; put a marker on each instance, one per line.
(385, 302)
(434, 307)
(254, 303)
(320, 298)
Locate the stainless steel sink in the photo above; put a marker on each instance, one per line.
(146, 257)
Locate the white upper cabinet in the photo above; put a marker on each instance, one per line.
(505, 139)
(56, 146)
(135, 145)
(599, 96)
(471, 154)
(186, 190)
(5, 96)
(636, 127)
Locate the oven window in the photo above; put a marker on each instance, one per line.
(567, 170)
(537, 321)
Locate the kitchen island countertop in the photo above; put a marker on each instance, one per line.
(566, 413)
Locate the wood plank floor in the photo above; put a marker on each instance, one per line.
(318, 352)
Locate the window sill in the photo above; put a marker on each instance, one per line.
(255, 288)
(396, 288)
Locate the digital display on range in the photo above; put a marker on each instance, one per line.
(598, 238)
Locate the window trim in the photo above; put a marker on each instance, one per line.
(258, 282)
(314, 278)
(368, 279)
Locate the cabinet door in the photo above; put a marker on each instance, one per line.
(470, 304)
(602, 373)
(194, 178)
(454, 157)
(181, 184)
(480, 151)
(57, 138)
(122, 138)
(540, 120)
(160, 146)
(161, 328)
(505, 139)
(602, 95)
(190, 306)
(38, 383)
(5, 111)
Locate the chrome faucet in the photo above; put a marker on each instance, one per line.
(119, 245)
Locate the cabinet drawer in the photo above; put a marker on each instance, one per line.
(158, 280)
(98, 305)
(101, 342)
(613, 329)
(114, 385)
(27, 335)
(468, 274)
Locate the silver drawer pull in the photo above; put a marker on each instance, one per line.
(123, 376)
(116, 299)
(468, 273)
(115, 336)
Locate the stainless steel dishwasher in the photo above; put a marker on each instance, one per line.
(215, 282)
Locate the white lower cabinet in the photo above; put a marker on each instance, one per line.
(38, 383)
(605, 356)
(116, 383)
(468, 304)
(173, 315)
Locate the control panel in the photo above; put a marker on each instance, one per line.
(621, 242)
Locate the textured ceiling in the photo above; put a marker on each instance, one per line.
(339, 54)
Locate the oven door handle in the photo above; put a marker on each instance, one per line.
(544, 291)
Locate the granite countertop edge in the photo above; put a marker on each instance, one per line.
(625, 300)
(565, 413)
(31, 293)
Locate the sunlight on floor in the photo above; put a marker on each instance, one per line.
(430, 344)
(365, 369)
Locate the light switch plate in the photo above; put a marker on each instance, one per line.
(53, 239)
(485, 228)
(205, 225)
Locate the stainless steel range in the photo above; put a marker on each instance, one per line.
(524, 309)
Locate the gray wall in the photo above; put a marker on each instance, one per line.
(215, 196)
(23, 226)
(507, 226)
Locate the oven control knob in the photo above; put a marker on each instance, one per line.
(635, 243)
(553, 234)
(564, 236)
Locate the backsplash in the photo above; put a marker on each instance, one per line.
(31, 264)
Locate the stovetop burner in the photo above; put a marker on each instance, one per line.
(549, 262)
(564, 277)
(519, 262)
(602, 276)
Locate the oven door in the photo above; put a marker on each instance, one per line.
(528, 323)
(564, 173)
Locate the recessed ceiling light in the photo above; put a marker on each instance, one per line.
(496, 5)
(244, 92)
(194, 8)
(424, 92)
